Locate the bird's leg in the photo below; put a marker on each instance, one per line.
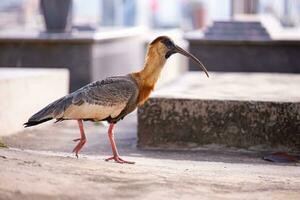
(115, 156)
(82, 139)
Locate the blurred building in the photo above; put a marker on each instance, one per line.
(19, 13)
(184, 14)
(11, 13)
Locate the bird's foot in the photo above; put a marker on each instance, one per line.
(79, 146)
(119, 160)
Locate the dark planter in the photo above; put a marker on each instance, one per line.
(57, 15)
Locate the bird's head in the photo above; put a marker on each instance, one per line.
(166, 47)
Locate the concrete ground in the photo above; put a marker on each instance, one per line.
(39, 165)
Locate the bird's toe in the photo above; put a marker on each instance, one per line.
(79, 146)
(76, 140)
(117, 159)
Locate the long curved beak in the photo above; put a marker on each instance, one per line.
(187, 54)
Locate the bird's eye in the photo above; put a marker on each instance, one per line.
(169, 44)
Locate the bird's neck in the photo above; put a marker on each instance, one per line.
(152, 68)
(148, 76)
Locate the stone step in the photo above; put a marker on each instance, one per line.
(245, 110)
(236, 30)
(25, 91)
(238, 24)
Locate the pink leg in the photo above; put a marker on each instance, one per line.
(82, 139)
(115, 156)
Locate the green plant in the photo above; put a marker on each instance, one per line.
(2, 145)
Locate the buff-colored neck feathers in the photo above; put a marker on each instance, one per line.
(149, 75)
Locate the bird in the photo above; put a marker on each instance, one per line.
(112, 98)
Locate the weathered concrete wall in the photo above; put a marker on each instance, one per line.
(230, 123)
(23, 92)
(195, 113)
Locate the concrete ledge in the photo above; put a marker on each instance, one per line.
(253, 55)
(88, 55)
(244, 110)
(25, 91)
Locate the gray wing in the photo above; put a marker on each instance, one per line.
(101, 99)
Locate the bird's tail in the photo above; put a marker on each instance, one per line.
(51, 111)
(33, 123)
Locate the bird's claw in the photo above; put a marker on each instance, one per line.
(119, 160)
(78, 146)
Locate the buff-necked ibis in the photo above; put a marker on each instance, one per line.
(113, 98)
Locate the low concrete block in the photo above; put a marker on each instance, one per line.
(244, 110)
(26, 91)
